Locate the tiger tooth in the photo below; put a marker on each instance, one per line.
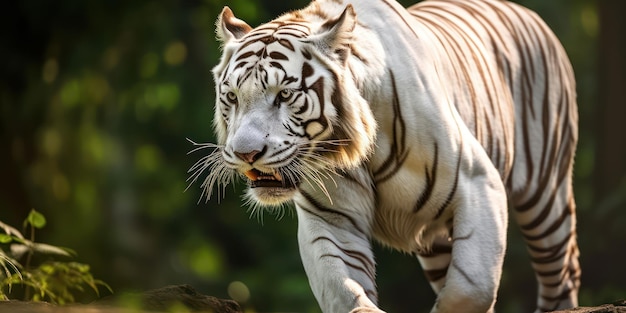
(278, 176)
(252, 175)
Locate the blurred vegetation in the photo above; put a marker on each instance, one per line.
(46, 279)
(97, 98)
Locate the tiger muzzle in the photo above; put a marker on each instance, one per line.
(275, 179)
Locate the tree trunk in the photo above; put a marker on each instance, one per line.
(611, 124)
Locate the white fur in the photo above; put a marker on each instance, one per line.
(371, 188)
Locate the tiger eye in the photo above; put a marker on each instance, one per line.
(285, 94)
(231, 96)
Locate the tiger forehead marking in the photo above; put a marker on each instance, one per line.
(268, 61)
(267, 42)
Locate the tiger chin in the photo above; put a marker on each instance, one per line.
(418, 128)
(270, 189)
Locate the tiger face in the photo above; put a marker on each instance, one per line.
(286, 113)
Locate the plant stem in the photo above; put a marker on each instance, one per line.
(29, 256)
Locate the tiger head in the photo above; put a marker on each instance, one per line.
(287, 110)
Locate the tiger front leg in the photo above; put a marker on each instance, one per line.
(478, 244)
(335, 248)
(338, 263)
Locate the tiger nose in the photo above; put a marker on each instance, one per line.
(250, 157)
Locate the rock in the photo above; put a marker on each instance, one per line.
(616, 307)
(157, 300)
(29, 307)
(164, 298)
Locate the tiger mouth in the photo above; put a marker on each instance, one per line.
(260, 179)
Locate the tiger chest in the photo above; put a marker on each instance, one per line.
(410, 210)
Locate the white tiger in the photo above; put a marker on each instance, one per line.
(415, 128)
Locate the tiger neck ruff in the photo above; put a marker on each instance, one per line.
(414, 127)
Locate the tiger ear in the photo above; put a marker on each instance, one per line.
(228, 27)
(335, 35)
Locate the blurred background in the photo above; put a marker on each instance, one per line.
(98, 97)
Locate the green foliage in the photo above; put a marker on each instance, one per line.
(35, 220)
(56, 281)
(50, 280)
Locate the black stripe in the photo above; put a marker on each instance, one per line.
(543, 214)
(548, 259)
(288, 157)
(436, 250)
(278, 66)
(452, 192)
(550, 273)
(467, 277)
(431, 177)
(567, 211)
(348, 175)
(436, 274)
(323, 209)
(352, 253)
(352, 265)
(355, 254)
(287, 44)
(551, 249)
(278, 55)
(246, 55)
(399, 153)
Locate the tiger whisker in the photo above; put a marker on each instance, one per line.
(203, 162)
(337, 142)
(310, 166)
(322, 173)
(199, 167)
(326, 164)
(313, 179)
(214, 164)
(323, 162)
(254, 208)
(200, 146)
(313, 173)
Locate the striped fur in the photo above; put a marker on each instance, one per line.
(415, 127)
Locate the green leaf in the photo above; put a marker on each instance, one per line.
(36, 219)
(103, 284)
(4, 238)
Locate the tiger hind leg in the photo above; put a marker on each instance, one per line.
(435, 262)
(548, 225)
